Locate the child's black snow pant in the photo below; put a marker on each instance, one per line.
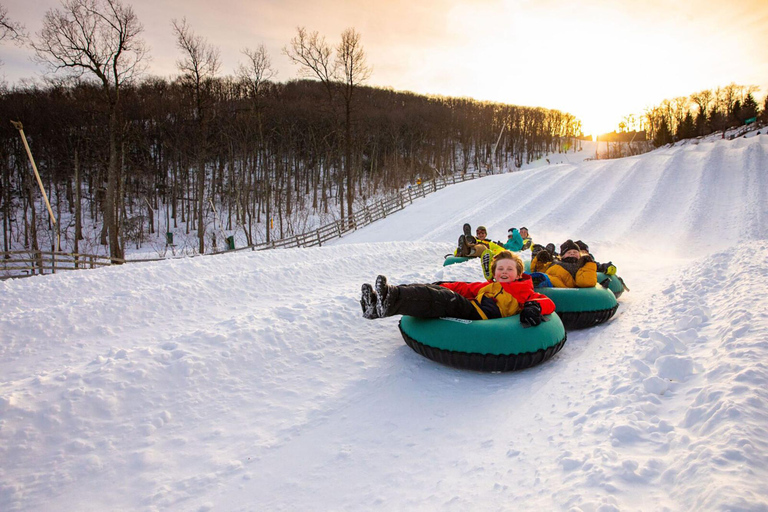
(431, 301)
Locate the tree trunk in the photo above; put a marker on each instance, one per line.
(113, 182)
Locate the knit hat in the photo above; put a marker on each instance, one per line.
(523, 228)
(478, 228)
(567, 246)
(582, 245)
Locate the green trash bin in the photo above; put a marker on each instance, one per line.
(169, 238)
(231, 242)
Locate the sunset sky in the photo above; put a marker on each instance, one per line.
(597, 59)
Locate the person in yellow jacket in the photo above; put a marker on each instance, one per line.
(543, 257)
(527, 240)
(572, 270)
(473, 247)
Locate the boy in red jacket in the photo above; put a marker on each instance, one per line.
(510, 293)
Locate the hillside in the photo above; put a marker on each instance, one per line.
(249, 381)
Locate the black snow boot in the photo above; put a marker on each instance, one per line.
(462, 247)
(368, 302)
(467, 230)
(387, 297)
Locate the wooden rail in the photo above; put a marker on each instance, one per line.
(362, 217)
(29, 263)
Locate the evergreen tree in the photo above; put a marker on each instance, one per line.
(701, 124)
(663, 135)
(736, 117)
(764, 113)
(716, 120)
(686, 129)
(749, 108)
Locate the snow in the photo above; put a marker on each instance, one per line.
(250, 381)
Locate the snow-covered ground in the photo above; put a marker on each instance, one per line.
(249, 381)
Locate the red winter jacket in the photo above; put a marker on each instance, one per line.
(509, 297)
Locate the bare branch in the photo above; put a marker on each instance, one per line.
(313, 55)
(98, 37)
(10, 29)
(257, 70)
(200, 60)
(350, 59)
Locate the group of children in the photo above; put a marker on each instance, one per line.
(507, 291)
(474, 246)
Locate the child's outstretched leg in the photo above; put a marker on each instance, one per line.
(368, 302)
(422, 300)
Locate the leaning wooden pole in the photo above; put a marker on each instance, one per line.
(18, 126)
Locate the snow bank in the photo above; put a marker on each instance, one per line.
(249, 381)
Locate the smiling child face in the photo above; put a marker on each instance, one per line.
(506, 271)
(572, 253)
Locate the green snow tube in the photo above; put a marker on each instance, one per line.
(582, 307)
(615, 283)
(497, 345)
(450, 260)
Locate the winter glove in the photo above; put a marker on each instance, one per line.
(544, 257)
(530, 315)
(585, 259)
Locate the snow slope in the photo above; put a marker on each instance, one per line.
(249, 381)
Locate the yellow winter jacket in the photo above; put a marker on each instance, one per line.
(538, 266)
(494, 247)
(568, 275)
(507, 304)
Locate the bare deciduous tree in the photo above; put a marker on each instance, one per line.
(349, 69)
(97, 39)
(313, 56)
(257, 70)
(199, 65)
(254, 73)
(350, 61)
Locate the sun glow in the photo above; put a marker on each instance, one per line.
(599, 60)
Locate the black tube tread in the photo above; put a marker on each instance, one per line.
(582, 319)
(483, 362)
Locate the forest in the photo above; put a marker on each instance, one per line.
(137, 156)
(701, 113)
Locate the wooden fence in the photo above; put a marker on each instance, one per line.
(29, 263)
(363, 216)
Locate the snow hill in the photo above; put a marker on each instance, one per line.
(249, 381)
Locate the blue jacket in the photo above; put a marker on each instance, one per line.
(515, 243)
